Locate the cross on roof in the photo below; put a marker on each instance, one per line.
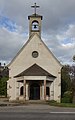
(35, 7)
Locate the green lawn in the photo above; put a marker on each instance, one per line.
(61, 104)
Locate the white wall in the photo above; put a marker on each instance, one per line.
(24, 60)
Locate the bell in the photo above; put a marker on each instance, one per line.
(35, 26)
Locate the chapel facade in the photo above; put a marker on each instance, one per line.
(34, 73)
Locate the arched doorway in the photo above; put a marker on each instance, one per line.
(34, 91)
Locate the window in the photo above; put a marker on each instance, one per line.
(47, 91)
(35, 54)
(21, 90)
(35, 25)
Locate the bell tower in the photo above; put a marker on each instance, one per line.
(35, 22)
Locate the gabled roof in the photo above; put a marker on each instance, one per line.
(20, 50)
(35, 70)
(27, 43)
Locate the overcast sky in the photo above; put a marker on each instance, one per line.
(58, 27)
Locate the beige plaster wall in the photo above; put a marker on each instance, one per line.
(24, 60)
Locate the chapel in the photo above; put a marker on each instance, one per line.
(34, 73)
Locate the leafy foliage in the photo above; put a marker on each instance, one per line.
(73, 80)
(74, 58)
(65, 79)
(3, 86)
(67, 97)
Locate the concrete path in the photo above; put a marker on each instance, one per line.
(36, 112)
(34, 108)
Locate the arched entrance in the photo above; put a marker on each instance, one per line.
(34, 91)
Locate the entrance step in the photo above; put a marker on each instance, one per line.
(27, 102)
(36, 102)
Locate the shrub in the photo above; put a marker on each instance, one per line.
(67, 97)
(3, 86)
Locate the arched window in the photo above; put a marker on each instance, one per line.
(35, 25)
(21, 90)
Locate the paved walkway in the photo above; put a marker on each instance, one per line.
(34, 108)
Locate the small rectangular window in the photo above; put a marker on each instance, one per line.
(47, 91)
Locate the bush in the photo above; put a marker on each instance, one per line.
(67, 97)
(3, 86)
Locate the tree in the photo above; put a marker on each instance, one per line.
(4, 75)
(73, 80)
(3, 86)
(66, 84)
(65, 79)
(74, 58)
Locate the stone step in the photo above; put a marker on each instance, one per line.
(36, 102)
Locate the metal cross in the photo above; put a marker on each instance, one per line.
(35, 6)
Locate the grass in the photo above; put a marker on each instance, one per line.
(54, 103)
